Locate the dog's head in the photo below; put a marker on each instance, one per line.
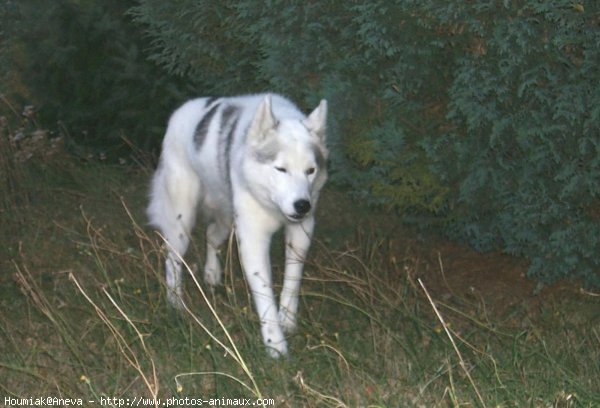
(289, 158)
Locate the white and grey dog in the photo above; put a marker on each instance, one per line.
(255, 163)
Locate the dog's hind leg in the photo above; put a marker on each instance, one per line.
(174, 198)
(216, 233)
(297, 243)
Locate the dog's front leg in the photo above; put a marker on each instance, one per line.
(253, 242)
(297, 242)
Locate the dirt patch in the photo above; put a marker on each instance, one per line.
(496, 279)
(453, 273)
(495, 287)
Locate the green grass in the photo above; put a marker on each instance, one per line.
(84, 314)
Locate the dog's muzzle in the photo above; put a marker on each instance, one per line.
(302, 207)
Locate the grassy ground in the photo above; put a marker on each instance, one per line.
(386, 320)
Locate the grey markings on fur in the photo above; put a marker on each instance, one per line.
(321, 164)
(321, 161)
(202, 127)
(209, 101)
(267, 152)
(231, 115)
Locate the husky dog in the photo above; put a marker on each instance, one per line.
(255, 163)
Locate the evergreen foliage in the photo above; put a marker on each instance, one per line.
(524, 150)
(81, 63)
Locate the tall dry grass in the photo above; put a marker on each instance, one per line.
(85, 316)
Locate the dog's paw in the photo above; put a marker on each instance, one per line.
(274, 340)
(277, 350)
(213, 273)
(175, 300)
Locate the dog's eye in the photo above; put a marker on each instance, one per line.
(310, 171)
(281, 169)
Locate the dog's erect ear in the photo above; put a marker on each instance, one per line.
(317, 120)
(263, 121)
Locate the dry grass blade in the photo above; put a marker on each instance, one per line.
(130, 355)
(460, 358)
(324, 400)
(37, 295)
(219, 373)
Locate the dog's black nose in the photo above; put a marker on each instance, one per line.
(302, 206)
